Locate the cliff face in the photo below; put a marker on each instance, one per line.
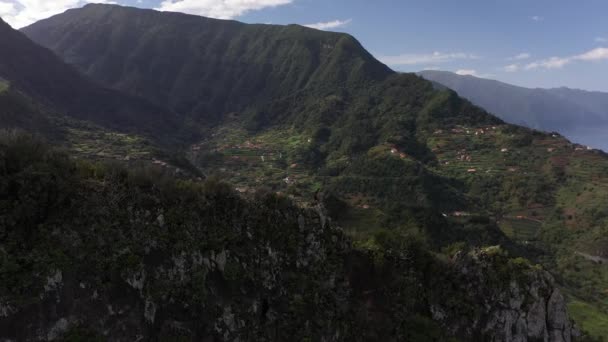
(191, 295)
(230, 293)
(511, 302)
(93, 252)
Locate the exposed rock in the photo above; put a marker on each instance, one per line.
(60, 327)
(220, 260)
(558, 322)
(137, 279)
(54, 281)
(161, 220)
(225, 268)
(529, 308)
(6, 310)
(150, 311)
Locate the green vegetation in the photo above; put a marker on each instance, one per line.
(4, 85)
(137, 239)
(522, 188)
(521, 229)
(19, 111)
(85, 139)
(46, 79)
(421, 180)
(300, 58)
(592, 320)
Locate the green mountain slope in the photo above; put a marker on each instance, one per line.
(19, 111)
(203, 67)
(324, 85)
(42, 76)
(84, 139)
(41, 94)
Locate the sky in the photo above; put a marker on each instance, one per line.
(532, 43)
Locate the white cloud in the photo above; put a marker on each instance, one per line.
(559, 62)
(20, 13)
(329, 24)
(550, 63)
(601, 40)
(537, 18)
(7, 8)
(521, 56)
(464, 72)
(511, 68)
(221, 9)
(593, 55)
(471, 72)
(431, 58)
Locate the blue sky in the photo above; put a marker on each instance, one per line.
(534, 43)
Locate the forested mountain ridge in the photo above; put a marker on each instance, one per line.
(200, 66)
(44, 78)
(393, 160)
(595, 101)
(215, 71)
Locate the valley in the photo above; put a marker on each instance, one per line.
(224, 181)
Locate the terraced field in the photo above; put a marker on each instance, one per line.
(524, 230)
(92, 142)
(490, 150)
(253, 161)
(108, 145)
(473, 154)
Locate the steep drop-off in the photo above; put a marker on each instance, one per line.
(94, 252)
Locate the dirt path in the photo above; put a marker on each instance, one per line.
(594, 258)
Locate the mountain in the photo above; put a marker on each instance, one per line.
(175, 59)
(20, 111)
(594, 101)
(402, 165)
(45, 79)
(214, 71)
(579, 115)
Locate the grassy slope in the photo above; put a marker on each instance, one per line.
(4, 85)
(590, 318)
